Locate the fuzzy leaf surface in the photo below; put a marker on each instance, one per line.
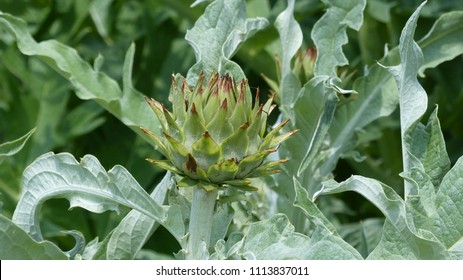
(308, 109)
(428, 146)
(216, 36)
(85, 184)
(291, 40)
(413, 99)
(16, 244)
(378, 97)
(275, 239)
(449, 203)
(421, 244)
(329, 33)
(127, 239)
(443, 42)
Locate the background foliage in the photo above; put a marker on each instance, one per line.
(133, 47)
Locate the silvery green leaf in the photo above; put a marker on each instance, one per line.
(16, 244)
(364, 235)
(449, 203)
(79, 246)
(308, 110)
(396, 246)
(425, 224)
(383, 197)
(85, 184)
(126, 240)
(376, 98)
(216, 36)
(310, 210)
(324, 232)
(291, 40)
(443, 42)
(223, 216)
(428, 145)
(420, 243)
(197, 2)
(91, 249)
(392, 246)
(329, 33)
(276, 239)
(227, 249)
(422, 205)
(330, 247)
(413, 100)
(13, 147)
(321, 130)
(290, 36)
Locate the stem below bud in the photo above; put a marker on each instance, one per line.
(202, 210)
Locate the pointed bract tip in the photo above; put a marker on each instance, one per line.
(244, 125)
(185, 85)
(257, 96)
(144, 130)
(194, 111)
(241, 97)
(224, 104)
(168, 136)
(173, 78)
(191, 163)
(153, 102)
(271, 150)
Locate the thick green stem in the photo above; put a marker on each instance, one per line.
(202, 210)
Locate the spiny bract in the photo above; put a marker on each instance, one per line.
(214, 136)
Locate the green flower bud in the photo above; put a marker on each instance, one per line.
(214, 135)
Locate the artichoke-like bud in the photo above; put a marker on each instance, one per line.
(214, 135)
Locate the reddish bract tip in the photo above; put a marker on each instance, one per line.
(194, 111)
(244, 125)
(293, 132)
(257, 96)
(226, 84)
(271, 150)
(272, 96)
(191, 164)
(144, 130)
(312, 53)
(224, 104)
(153, 103)
(284, 123)
(168, 136)
(184, 85)
(173, 79)
(243, 86)
(241, 96)
(147, 99)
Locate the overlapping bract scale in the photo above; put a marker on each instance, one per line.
(214, 134)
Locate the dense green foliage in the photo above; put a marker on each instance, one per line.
(374, 88)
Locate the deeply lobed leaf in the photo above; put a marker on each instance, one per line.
(85, 184)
